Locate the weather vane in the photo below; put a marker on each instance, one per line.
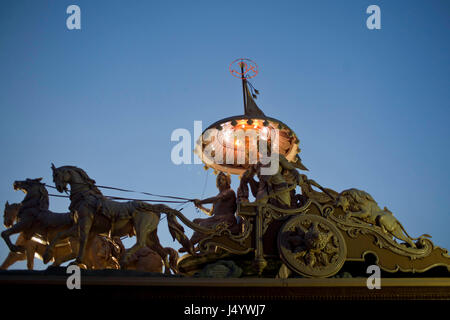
(243, 68)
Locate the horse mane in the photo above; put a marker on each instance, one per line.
(84, 176)
(41, 194)
(44, 202)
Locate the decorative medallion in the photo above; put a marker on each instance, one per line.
(312, 246)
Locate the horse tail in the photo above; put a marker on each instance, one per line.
(177, 232)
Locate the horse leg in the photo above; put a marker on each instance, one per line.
(63, 254)
(48, 254)
(61, 260)
(173, 259)
(13, 257)
(30, 251)
(164, 256)
(196, 237)
(96, 253)
(18, 227)
(154, 244)
(144, 224)
(85, 227)
(73, 248)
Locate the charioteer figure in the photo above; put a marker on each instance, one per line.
(222, 210)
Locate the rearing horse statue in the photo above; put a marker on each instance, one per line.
(97, 214)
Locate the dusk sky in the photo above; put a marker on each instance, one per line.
(371, 107)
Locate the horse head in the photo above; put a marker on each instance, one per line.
(10, 214)
(65, 175)
(28, 185)
(61, 177)
(33, 188)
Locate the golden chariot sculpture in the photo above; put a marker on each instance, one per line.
(312, 234)
(281, 233)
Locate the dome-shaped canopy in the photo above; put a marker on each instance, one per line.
(232, 144)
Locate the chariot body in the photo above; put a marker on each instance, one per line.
(311, 234)
(312, 241)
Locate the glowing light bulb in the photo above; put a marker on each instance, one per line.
(264, 133)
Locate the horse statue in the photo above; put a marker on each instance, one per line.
(97, 214)
(102, 252)
(168, 255)
(33, 216)
(145, 259)
(149, 260)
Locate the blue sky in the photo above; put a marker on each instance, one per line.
(371, 107)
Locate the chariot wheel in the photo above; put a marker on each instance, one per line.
(312, 246)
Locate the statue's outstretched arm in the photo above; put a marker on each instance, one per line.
(205, 210)
(209, 200)
(199, 204)
(221, 196)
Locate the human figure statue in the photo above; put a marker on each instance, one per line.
(278, 188)
(247, 178)
(222, 210)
